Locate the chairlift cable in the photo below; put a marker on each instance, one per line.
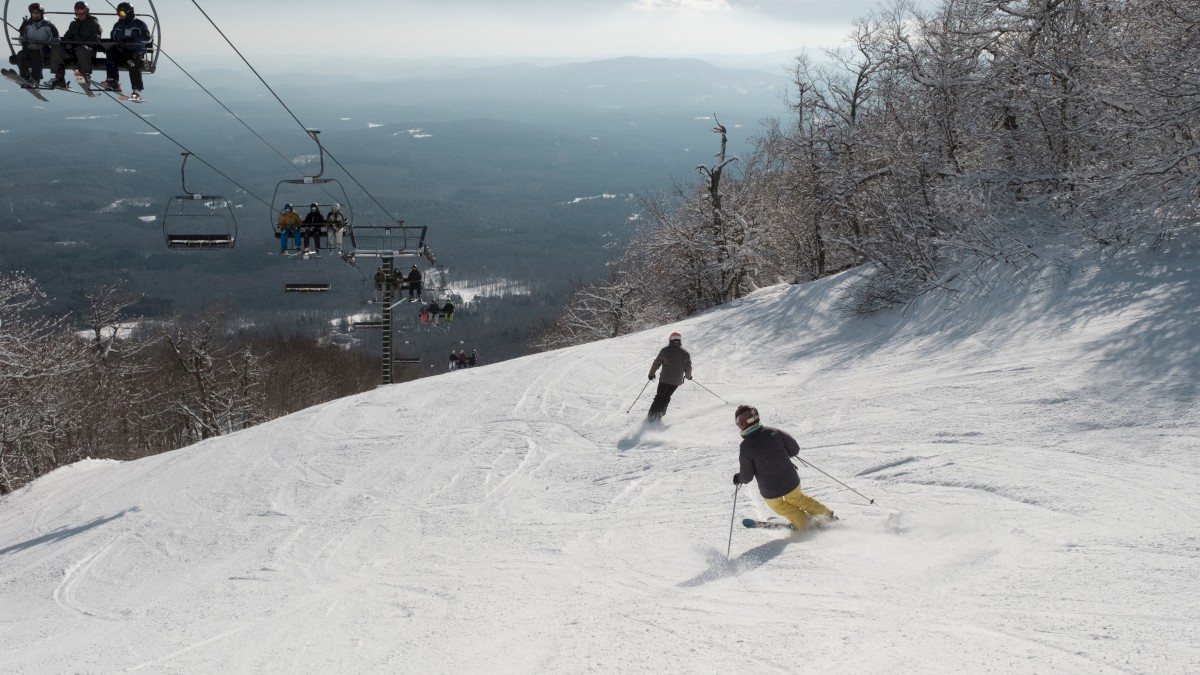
(236, 117)
(289, 110)
(361, 187)
(181, 146)
(219, 102)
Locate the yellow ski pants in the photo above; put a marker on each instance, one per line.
(797, 507)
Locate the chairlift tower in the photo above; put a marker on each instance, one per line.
(387, 243)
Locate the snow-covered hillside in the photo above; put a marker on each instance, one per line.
(1033, 456)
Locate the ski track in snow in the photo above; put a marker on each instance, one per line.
(514, 518)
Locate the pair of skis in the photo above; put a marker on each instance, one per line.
(31, 88)
(85, 82)
(815, 523)
(90, 87)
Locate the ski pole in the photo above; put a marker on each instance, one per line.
(869, 500)
(710, 391)
(729, 546)
(638, 396)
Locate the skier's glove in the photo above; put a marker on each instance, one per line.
(652, 376)
(737, 479)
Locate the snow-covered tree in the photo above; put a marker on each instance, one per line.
(39, 402)
(217, 384)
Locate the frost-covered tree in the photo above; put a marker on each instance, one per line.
(119, 378)
(39, 402)
(217, 384)
(939, 140)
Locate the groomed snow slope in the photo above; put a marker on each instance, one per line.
(1033, 456)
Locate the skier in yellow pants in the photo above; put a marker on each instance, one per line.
(766, 454)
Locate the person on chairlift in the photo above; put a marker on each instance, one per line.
(314, 225)
(36, 36)
(130, 36)
(288, 228)
(414, 284)
(78, 47)
(336, 221)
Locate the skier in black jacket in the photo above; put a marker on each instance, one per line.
(78, 46)
(766, 455)
(414, 284)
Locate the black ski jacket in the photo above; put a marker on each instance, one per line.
(766, 455)
(86, 32)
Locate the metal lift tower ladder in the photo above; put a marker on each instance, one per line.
(387, 243)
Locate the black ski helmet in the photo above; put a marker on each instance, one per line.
(312, 206)
(125, 10)
(81, 5)
(36, 7)
(745, 416)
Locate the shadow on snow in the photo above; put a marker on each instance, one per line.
(64, 533)
(719, 567)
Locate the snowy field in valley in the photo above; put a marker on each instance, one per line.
(1033, 455)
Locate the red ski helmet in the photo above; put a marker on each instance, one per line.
(675, 337)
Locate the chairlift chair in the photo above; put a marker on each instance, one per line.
(186, 226)
(306, 287)
(389, 241)
(14, 11)
(289, 194)
(305, 276)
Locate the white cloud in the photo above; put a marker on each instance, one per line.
(682, 5)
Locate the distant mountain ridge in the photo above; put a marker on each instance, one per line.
(625, 81)
(503, 150)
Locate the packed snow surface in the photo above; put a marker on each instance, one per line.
(1031, 449)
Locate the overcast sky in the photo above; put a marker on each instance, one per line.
(507, 28)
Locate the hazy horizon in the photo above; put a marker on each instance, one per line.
(586, 29)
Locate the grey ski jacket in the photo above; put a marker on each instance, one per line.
(676, 365)
(37, 34)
